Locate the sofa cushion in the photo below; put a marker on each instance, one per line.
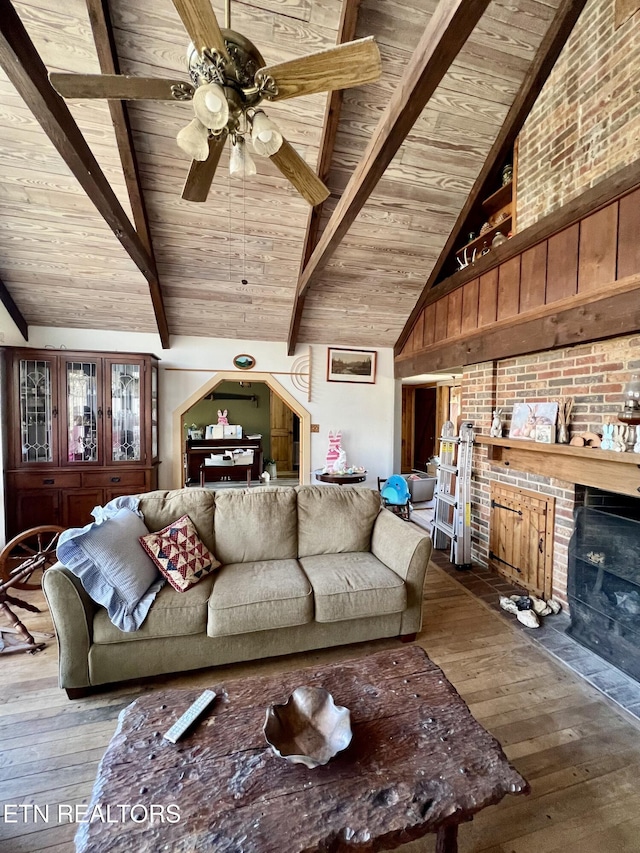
(161, 508)
(255, 524)
(179, 554)
(112, 565)
(258, 596)
(173, 614)
(352, 586)
(335, 519)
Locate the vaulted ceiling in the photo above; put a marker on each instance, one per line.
(63, 265)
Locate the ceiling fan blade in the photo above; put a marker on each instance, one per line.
(349, 64)
(201, 23)
(303, 178)
(200, 177)
(119, 87)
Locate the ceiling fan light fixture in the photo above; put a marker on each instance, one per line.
(210, 106)
(265, 136)
(241, 163)
(194, 140)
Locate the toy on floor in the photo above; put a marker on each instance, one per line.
(395, 496)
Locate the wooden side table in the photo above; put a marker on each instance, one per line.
(341, 479)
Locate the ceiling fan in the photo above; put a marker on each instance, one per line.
(229, 80)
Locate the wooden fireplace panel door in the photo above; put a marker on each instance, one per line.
(521, 537)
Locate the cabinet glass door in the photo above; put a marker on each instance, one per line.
(125, 409)
(83, 411)
(37, 411)
(154, 412)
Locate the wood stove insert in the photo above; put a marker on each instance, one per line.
(604, 579)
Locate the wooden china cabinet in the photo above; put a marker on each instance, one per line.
(82, 428)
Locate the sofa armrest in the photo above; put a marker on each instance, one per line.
(406, 550)
(72, 611)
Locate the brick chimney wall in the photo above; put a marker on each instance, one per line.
(593, 374)
(585, 124)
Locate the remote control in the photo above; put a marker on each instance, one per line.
(190, 716)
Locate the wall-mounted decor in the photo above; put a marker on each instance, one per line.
(244, 361)
(351, 365)
(527, 416)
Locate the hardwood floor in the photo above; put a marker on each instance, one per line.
(580, 754)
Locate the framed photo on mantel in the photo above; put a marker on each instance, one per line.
(527, 417)
(546, 433)
(351, 365)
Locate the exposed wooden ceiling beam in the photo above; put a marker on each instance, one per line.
(13, 310)
(346, 32)
(26, 70)
(550, 47)
(100, 19)
(448, 29)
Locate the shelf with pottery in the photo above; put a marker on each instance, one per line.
(590, 466)
(497, 209)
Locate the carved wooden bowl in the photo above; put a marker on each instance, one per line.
(309, 728)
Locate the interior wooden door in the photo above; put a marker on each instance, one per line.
(521, 537)
(425, 428)
(281, 428)
(408, 428)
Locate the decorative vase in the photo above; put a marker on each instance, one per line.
(507, 174)
(563, 434)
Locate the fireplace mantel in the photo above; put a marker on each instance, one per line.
(604, 469)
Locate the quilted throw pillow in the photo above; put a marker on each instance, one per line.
(179, 554)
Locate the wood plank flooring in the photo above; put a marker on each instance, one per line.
(580, 754)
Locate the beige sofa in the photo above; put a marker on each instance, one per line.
(302, 568)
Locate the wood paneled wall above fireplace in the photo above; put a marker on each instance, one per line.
(574, 276)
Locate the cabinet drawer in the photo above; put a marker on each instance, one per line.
(113, 479)
(46, 479)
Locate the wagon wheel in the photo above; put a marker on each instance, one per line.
(38, 544)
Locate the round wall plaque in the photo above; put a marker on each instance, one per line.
(244, 361)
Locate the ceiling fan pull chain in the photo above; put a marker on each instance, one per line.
(229, 211)
(244, 245)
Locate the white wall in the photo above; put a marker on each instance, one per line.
(365, 413)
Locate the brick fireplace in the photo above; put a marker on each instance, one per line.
(594, 374)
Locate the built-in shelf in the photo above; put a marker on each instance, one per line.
(478, 243)
(499, 199)
(498, 203)
(603, 469)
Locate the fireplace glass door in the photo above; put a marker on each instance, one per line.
(604, 586)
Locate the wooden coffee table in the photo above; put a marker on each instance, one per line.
(418, 763)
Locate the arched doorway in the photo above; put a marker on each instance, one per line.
(234, 376)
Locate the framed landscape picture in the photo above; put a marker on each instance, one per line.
(351, 365)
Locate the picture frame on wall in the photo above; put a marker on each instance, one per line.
(351, 365)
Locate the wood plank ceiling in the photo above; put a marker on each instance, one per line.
(63, 266)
